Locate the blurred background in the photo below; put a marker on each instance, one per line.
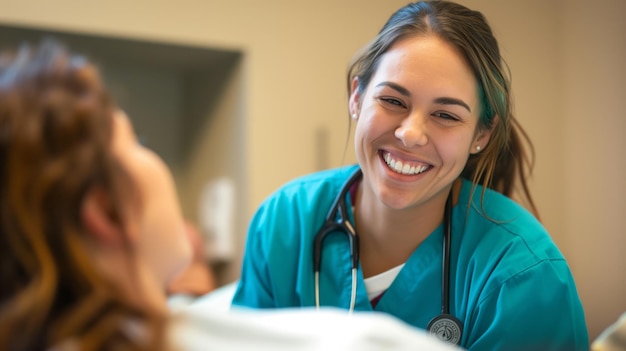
(240, 96)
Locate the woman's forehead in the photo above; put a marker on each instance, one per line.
(428, 62)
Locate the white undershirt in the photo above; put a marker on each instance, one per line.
(377, 284)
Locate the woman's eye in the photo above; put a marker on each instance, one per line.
(446, 116)
(392, 101)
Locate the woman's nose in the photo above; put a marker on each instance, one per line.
(413, 130)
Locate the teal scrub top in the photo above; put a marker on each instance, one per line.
(509, 285)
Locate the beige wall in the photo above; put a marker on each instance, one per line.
(567, 61)
(569, 77)
(594, 88)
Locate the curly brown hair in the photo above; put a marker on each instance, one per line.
(55, 136)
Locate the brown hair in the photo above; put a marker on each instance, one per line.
(55, 145)
(505, 163)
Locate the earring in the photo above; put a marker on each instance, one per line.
(478, 148)
(354, 116)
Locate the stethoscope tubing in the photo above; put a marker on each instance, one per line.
(337, 221)
(341, 224)
(445, 262)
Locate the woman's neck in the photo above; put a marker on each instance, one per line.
(388, 236)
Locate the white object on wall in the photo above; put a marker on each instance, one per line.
(216, 218)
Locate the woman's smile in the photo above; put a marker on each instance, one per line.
(403, 166)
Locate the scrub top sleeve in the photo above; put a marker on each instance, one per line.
(536, 309)
(254, 287)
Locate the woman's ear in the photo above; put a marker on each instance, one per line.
(100, 220)
(483, 137)
(355, 99)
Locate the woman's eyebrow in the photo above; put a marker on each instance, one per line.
(400, 89)
(452, 101)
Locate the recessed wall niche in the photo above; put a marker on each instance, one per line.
(186, 104)
(166, 89)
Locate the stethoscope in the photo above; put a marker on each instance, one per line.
(445, 326)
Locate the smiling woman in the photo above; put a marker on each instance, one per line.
(432, 235)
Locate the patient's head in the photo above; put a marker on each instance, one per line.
(90, 225)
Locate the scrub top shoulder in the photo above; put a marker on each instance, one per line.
(512, 286)
(278, 261)
(509, 284)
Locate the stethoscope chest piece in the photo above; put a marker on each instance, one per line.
(446, 327)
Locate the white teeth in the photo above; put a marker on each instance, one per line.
(398, 166)
(401, 168)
